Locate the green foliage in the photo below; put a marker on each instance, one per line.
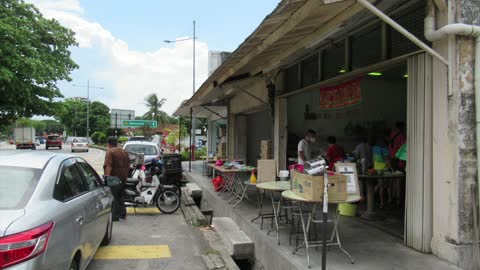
(72, 113)
(122, 139)
(41, 126)
(185, 156)
(34, 55)
(200, 152)
(98, 137)
(154, 105)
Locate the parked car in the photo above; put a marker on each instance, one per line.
(79, 144)
(53, 141)
(11, 141)
(139, 138)
(150, 150)
(55, 211)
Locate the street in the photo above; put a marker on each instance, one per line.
(147, 239)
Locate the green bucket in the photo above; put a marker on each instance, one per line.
(347, 209)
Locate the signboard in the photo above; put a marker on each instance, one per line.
(117, 116)
(341, 96)
(349, 170)
(139, 123)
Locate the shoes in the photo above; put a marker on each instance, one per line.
(115, 219)
(123, 217)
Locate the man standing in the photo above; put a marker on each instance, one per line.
(304, 151)
(117, 164)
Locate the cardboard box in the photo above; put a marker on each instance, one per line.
(266, 170)
(266, 149)
(311, 187)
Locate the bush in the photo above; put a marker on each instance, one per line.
(122, 139)
(99, 137)
(102, 138)
(201, 152)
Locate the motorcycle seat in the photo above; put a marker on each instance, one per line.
(132, 181)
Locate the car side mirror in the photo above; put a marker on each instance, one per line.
(112, 181)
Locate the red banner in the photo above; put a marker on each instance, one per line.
(341, 96)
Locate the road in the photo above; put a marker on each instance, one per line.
(147, 239)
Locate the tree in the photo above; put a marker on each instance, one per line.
(34, 55)
(72, 113)
(154, 104)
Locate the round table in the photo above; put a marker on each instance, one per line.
(275, 186)
(371, 180)
(335, 239)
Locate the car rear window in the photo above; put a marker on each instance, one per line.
(16, 186)
(141, 148)
(53, 138)
(80, 140)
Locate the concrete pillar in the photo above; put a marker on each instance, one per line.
(280, 133)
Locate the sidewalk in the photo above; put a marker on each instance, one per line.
(370, 248)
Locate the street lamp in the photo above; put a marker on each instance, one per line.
(88, 104)
(192, 135)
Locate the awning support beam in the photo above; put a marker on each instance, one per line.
(251, 95)
(214, 112)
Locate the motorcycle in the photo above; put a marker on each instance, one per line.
(145, 189)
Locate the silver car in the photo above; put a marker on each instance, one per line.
(150, 150)
(54, 211)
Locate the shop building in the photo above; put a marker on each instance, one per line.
(342, 68)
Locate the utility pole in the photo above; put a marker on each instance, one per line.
(88, 104)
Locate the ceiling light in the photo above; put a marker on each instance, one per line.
(405, 76)
(375, 73)
(342, 71)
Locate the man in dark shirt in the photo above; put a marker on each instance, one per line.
(117, 164)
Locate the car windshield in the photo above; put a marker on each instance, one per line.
(142, 148)
(16, 186)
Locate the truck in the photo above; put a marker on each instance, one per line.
(24, 137)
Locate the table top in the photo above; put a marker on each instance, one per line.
(288, 194)
(222, 169)
(274, 185)
(377, 176)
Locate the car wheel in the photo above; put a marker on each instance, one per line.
(86, 151)
(60, 148)
(108, 232)
(46, 147)
(73, 265)
(72, 151)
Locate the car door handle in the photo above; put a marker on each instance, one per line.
(99, 206)
(79, 220)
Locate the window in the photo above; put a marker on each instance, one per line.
(16, 186)
(70, 184)
(91, 177)
(142, 148)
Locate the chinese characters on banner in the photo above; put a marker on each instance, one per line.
(341, 96)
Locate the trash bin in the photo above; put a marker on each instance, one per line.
(347, 209)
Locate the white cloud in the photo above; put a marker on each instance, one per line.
(133, 74)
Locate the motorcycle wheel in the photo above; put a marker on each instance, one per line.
(168, 202)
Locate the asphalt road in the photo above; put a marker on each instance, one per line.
(147, 239)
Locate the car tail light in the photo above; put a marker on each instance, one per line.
(23, 246)
(72, 144)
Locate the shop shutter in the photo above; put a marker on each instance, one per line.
(418, 206)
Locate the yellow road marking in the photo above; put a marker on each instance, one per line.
(133, 252)
(141, 210)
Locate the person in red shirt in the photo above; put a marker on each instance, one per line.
(334, 153)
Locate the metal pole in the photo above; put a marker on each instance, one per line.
(192, 140)
(191, 123)
(325, 220)
(88, 109)
(180, 134)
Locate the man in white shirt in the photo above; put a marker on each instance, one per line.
(304, 151)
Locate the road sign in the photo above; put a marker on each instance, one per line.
(139, 123)
(117, 117)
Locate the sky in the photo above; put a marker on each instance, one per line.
(122, 53)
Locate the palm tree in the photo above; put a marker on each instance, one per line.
(154, 104)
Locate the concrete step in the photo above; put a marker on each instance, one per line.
(239, 246)
(194, 190)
